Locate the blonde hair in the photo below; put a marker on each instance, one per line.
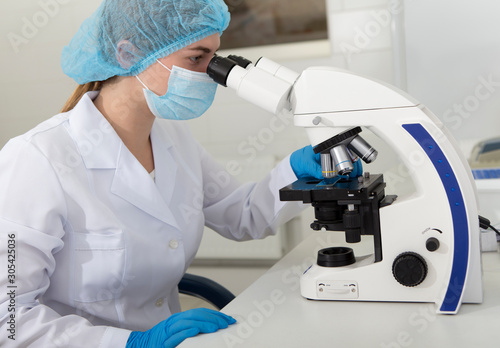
(79, 93)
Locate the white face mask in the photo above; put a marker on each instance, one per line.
(189, 95)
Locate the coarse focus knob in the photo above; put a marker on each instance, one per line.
(409, 269)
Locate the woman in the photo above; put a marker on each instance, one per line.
(105, 203)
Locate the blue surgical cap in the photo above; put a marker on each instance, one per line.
(124, 37)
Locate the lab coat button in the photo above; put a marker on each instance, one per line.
(159, 302)
(173, 244)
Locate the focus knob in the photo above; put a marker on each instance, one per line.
(432, 244)
(409, 269)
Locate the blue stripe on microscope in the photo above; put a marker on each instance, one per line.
(459, 216)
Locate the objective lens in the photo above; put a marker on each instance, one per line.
(342, 160)
(364, 150)
(327, 166)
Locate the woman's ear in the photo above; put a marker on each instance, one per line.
(126, 54)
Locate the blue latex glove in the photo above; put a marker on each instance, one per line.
(305, 164)
(172, 331)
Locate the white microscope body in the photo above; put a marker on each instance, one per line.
(427, 244)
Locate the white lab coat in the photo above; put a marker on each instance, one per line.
(100, 246)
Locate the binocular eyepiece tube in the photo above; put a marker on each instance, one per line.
(268, 87)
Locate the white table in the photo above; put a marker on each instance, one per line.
(272, 313)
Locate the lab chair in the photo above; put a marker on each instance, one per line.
(205, 289)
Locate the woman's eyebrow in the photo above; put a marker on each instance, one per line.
(202, 48)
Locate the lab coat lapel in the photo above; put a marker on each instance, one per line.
(101, 148)
(133, 183)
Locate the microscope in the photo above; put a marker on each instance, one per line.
(425, 245)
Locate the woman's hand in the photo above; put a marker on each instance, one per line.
(172, 331)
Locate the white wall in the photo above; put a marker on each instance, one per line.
(453, 63)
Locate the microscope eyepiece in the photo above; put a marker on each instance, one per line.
(219, 68)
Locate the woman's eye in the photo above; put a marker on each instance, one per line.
(195, 59)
